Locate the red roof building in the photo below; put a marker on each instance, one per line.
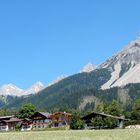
(60, 119)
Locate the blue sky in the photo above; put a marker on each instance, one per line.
(42, 39)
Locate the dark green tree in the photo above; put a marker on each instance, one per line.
(7, 112)
(110, 122)
(26, 111)
(98, 122)
(114, 108)
(135, 115)
(76, 122)
(100, 107)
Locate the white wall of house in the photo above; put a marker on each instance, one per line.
(27, 128)
(4, 128)
(121, 124)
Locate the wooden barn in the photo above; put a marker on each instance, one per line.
(88, 124)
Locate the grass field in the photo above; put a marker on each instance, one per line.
(73, 135)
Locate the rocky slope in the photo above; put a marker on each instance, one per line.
(124, 66)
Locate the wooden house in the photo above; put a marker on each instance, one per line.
(60, 119)
(27, 125)
(8, 123)
(40, 120)
(87, 119)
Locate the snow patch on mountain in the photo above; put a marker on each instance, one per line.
(13, 90)
(10, 89)
(38, 86)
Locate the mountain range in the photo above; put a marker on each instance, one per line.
(13, 90)
(116, 78)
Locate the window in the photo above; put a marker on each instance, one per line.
(47, 120)
(41, 121)
(39, 126)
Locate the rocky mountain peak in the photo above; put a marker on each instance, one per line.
(35, 88)
(11, 89)
(40, 84)
(88, 68)
(124, 66)
(129, 54)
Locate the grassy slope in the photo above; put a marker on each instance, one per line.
(74, 135)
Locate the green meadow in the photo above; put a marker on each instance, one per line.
(126, 134)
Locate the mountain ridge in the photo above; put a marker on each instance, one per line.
(113, 79)
(124, 66)
(12, 90)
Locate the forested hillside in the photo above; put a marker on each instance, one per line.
(110, 80)
(64, 100)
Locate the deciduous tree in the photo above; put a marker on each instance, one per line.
(26, 111)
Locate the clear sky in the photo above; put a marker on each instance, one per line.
(42, 39)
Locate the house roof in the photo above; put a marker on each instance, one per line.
(7, 117)
(45, 114)
(56, 114)
(63, 113)
(12, 120)
(104, 115)
(27, 119)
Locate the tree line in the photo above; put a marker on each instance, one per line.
(114, 108)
